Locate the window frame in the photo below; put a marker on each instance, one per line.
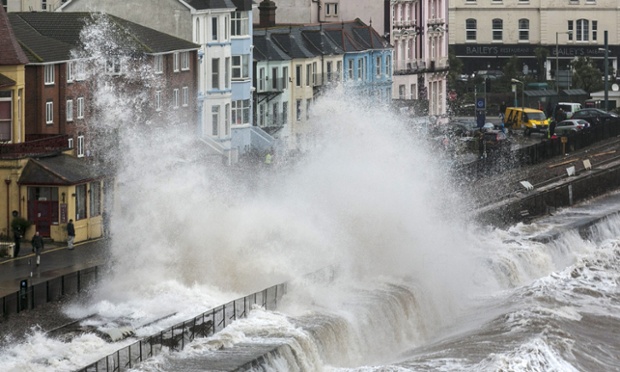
(49, 112)
(48, 72)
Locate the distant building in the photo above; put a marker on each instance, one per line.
(419, 35)
(486, 34)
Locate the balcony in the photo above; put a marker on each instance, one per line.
(35, 145)
(273, 85)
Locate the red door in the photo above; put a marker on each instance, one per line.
(43, 214)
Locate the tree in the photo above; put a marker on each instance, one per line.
(456, 67)
(541, 56)
(586, 76)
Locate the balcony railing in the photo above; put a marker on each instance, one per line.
(35, 144)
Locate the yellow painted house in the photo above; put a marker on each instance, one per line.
(43, 182)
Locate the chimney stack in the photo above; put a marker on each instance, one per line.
(267, 14)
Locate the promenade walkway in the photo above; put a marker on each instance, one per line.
(56, 260)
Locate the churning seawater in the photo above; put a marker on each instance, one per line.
(418, 286)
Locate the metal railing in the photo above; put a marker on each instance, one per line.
(28, 297)
(178, 336)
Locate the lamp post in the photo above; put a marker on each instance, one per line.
(606, 73)
(557, 59)
(515, 81)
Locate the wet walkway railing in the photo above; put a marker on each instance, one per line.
(178, 336)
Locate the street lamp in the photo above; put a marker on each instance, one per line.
(557, 58)
(515, 81)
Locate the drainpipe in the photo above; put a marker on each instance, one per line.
(8, 207)
(318, 10)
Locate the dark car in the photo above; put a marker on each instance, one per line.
(571, 125)
(594, 116)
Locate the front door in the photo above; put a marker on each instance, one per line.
(43, 214)
(43, 208)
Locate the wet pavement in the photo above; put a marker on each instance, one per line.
(56, 260)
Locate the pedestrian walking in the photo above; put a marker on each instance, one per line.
(37, 246)
(70, 234)
(17, 237)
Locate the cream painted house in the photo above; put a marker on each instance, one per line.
(486, 33)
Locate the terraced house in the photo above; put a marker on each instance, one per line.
(295, 63)
(51, 163)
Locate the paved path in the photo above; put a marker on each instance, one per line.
(56, 260)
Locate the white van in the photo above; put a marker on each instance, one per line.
(569, 108)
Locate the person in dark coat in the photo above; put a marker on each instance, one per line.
(17, 236)
(70, 234)
(37, 246)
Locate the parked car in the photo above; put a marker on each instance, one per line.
(571, 125)
(594, 116)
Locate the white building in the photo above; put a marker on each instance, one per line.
(419, 36)
(486, 33)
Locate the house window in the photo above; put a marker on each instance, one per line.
(331, 9)
(261, 115)
(70, 143)
(240, 24)
(227, 119)
(274, 78)
(80, 146)
(6, 116)
(113, 66)
(185, 61)
(49, 112)
(308, 103)
(215, 73)
(49, 75)
(298, 75)
(298, 110)
(498, 26)
(240, 112)
(594, 30)
(583, 30)
(470, 29)
(175, 98)
(308, 74)
(159, 64)
(69, 110)
(80, 202)
(524, 29)
(158, 100)
(80, 108)
(197, 32)
(240, 68)
(185, 96)
(261, 79)
(43, 4)
(214, 28)
(227, 73)
(95, 198)
(70, 76)
(350, 69)
(80, 70)
(274, 113)
(360, 69)
(388, 66)
(378, 66)
(215, 118)
(284, 77)
(284, 112)
(175, 62)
